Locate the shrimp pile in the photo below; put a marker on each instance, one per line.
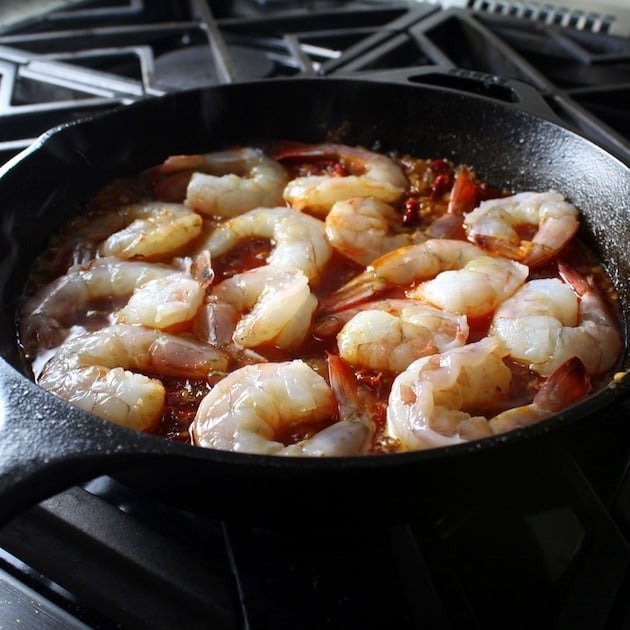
(319, 300)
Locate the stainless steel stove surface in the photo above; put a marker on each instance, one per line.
(549, 550)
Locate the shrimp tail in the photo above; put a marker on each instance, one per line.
(355, 402)
(502, 247)
(360, 289)
(577, 282)
(566, 386)
(289, 150)
(536, 254)
(464, 194)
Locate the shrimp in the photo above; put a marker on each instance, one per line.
(371, 175)
(149, 231)
(254, 407)
(98, 371)
(393, 337)
(49, 313)
(544, 324)
(164, 302)
(405, 266)
(568, 384)
(476, 289)
(275, 306)
(225, 183)
(493, 225)
(300, 240)
(428, 402)
(364, 228)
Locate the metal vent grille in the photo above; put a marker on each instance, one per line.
(611, 18)
(560, 16)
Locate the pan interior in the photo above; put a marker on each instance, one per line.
(505, 145)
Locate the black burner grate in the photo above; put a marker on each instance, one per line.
(86, 59)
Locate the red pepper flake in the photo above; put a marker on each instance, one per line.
(338, 170)
(411, 214)
(441, 184)
(441, 167)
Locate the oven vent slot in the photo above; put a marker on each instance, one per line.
(548, 14)
(579, 17)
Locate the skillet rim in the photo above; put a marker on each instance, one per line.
(602, 399)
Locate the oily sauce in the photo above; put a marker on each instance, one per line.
(438, 194)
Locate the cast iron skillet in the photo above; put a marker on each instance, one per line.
(47, 445)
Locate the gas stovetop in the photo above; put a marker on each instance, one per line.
(93, 56)
(554, 553)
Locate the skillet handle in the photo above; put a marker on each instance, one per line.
(47, 446)
(516, 93)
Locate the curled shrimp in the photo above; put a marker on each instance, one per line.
(370, 175)
(476, 289)
(494, 223)
(274, 306)
(49, 313)
(428, 402)
(364, 228)
(413, 264)
(568, 384)
(224, 183)
(164, 302)
(103, 371)
(392, 337)
(545, 323)
(151, 230)
(255, 408)
(299, 240)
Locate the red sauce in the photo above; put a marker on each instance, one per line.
(433, 184)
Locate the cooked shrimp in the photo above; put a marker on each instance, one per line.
(544, 324)
(150, 230)
(476, 289)
(364, 228)
(568, 384)
(226, 183)
(54, 308)
(371, 175)
(99, 371)
(299, 240)
(275, 306)
(393, 337)
(493, 225)
(430, 401)
(164, 302)
(417, 263)
(252, 408)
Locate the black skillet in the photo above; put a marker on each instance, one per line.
(497, 127)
